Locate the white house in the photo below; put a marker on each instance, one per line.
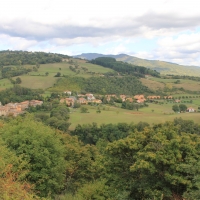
(190, 109)
(68, 92)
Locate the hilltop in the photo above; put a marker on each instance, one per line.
(160, 66)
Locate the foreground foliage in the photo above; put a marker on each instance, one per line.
(112, 162)
(158, 162)
(41, 148)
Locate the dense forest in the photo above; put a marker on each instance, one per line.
(129, 85)
(124, 68)
(115, 162)
(24, 57)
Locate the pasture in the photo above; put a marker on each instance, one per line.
(5, 83)
(38, 82)
(41, 80)
(152, 114)
(64, 69)
(160, 83)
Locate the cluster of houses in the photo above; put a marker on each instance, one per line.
(15, 109)
(82, 99)
(85, 99)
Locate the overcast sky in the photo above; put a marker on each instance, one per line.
(166, 30)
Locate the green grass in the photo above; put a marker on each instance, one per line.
(37, 82)
(152, 115)
(5, 83)
(64, 69)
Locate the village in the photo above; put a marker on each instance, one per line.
(84, 99)
(14, 109)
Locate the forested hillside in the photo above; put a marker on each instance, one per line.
(161, 66)
(124, 68)
(25, 57)
(102, 85)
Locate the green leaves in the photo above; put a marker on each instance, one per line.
(41, 147)
(158, 160)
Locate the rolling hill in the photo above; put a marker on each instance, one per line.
(160, 66)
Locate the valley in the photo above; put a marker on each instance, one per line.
(84, 129)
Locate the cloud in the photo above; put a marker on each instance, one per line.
(182, 49)
(50, 19)
(117, 50)
(15, 43)
(59, 25)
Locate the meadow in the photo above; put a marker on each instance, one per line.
(5, 83)
(39, 79)
(44, 78)
(152, 114)
(160, 83)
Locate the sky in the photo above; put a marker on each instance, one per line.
(167, 30)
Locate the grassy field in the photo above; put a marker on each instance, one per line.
(5, 83)
(64, 69)
(39, 80)
(152, 84)
(159, 83)
(152, 114)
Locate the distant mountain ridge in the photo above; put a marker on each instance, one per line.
(160, 66)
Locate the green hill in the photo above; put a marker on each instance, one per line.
(160, 66)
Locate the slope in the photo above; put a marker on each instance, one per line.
(160, 66)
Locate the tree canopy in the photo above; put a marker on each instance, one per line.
(41, 148)
(124, 68)
(156, 163)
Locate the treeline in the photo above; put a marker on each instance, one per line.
(8, 72)
(194, 78)
(92, 134)
(128, 85)
(19, 94)
(124, 68)
(116, 162)
(132, 105)
(25, 57)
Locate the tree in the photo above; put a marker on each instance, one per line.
(11, 175)
(182, 107)
(175, 108)
(98, 110)
(18, 80)
(82, 163)
(157, 163)
(84, 110)
(42, 148)
(47, 73)
(77, 104)
(58, 74)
